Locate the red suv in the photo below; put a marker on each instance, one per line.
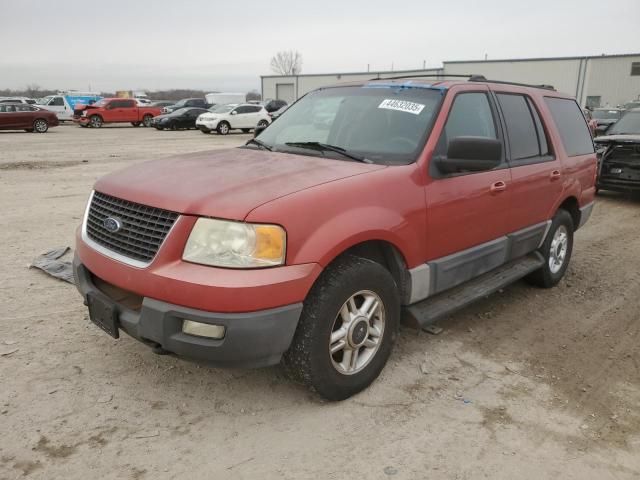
(361, 204)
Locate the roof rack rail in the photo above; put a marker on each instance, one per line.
(429, 75)
(470, 77)
(504, 82)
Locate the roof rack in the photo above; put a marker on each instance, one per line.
(470, 77)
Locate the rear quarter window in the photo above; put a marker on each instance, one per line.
(571, 125)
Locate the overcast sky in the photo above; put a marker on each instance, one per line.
(215, 45)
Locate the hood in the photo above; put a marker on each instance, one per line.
(224, 183)
(634, 138)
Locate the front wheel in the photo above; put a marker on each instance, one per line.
(263, 124)
(556, 250)
(347, 329)
(146, 120)
(223, 128)
(41, 125)
(96, 121)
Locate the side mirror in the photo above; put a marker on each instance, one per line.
(471, 154)
(259, 129)
(234, 113)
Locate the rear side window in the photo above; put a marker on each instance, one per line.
(521, 129)
(57, 102)
(571, 125)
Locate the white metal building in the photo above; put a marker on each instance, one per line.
(606, 80)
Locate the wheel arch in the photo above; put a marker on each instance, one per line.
(571, 205)
(383, 252)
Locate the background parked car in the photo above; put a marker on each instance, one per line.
(277, 113)
(633, 104)
(162, 103)
(605, 117)
(22, 116)
(214, 99)
(273, 105)
(115, 110)
(180, 119)
(619, 155)
(27, 100)
(225, 118)
(64, 103)
(186, 102)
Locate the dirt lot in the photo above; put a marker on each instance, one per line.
(528, 383)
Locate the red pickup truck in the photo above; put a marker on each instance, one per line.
(362, 204)
(115, 110)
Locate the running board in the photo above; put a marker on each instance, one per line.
(427, 311)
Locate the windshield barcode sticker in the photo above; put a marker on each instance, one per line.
(402, 106)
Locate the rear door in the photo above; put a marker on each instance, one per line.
(467, 213)
(536, 171)
(242, 118)
(128, 111)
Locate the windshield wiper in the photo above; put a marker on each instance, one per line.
(332, 148)
(260, 143)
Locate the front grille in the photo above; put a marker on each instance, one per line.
(142, 228)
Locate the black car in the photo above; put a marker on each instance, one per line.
(186, 102)
(273, 105)
(619, 155)
(605, 117)
(180, 119)
(277, 113)
(162, 103)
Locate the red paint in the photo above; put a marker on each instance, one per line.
(111, 114)
(327, 206)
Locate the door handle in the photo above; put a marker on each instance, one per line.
(555, 175)
(498, 187)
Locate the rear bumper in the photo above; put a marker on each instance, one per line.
(618, 185)
(252, 339)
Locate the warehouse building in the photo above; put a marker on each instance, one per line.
(606, 80)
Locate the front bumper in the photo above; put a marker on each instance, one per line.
(81, 120)
(252, 339)
(208, 124)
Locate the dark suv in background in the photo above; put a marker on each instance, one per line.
(185, 103)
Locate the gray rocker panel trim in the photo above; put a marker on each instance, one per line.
(444, 273)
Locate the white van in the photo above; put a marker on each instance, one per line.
(63, 103)
(225, 98)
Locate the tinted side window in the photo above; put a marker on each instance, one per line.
(470, 115)
(254, 109)
(23, 107)
(243, 110)
(127, 103)
(571, 125)
(542, 135)
(521, 129)
(57, 102)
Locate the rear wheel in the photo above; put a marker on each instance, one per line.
(146, 120)
(41, 125)
(263, 124)
(347, 329)
(136, 124)
(556, 250)
(95, 121)
(223, 128)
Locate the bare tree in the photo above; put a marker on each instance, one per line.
(33, 90)
(287, 62)
(253, 95)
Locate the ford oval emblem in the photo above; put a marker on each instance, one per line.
(111, 224)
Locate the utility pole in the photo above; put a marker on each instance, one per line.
(424, 64)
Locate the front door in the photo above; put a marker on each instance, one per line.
(467, 213)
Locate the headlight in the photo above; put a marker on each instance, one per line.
(221, 243)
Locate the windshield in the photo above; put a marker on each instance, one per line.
(221, 108)
(44, 100)
(100, 103)
(628, 124)
(180, 104)
(606, 114)
(384, 123)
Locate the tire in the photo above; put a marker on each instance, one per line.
(159, 128)
(223, 128)
(40, 125)
(146, 120)
(173, 127)
(95, 121)
(263, 123)
(556, 250)
(309, 359)
(136, 124)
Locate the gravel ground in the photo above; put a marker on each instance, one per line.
(526, 384)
